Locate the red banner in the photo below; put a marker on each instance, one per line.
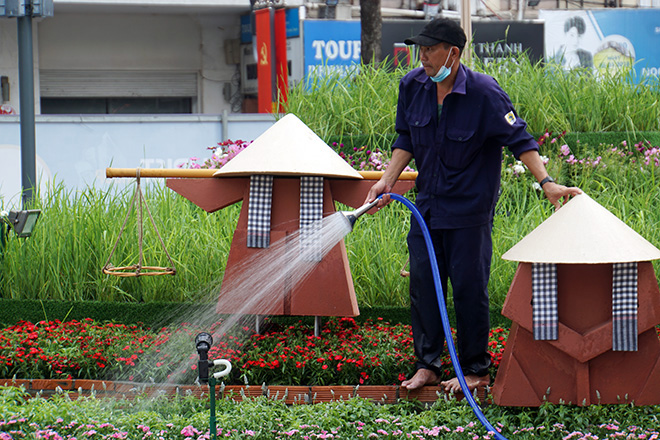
(263, 24)
(281, 65)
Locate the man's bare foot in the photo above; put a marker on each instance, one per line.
(422, 377)
(473, 381)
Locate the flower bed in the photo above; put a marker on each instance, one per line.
(345, 353)
(187, 417)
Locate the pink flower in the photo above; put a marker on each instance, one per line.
(144, 428)
(189, 431)
(565, 150)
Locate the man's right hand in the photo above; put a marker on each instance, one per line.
(379, 188)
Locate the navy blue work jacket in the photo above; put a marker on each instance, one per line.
(459, 154)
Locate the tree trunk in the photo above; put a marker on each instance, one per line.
(371, 22)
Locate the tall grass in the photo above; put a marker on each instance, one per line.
(64, 257)
(546, 97)
(576, 101)
(377, 253)
(363, 103)
(74, 236)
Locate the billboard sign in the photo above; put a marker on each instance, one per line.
(492, 39)
(498, 40)
(333, 46)
(330, 46)
(604, 40)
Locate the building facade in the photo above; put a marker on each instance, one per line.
(184, 56)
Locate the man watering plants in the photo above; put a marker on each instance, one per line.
(453, 122)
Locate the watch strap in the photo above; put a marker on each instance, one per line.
(546, 180)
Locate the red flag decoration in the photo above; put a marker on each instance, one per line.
(263, 21)
(281, 64)
(272, 66)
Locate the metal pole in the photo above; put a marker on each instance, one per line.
(225, 125)
(317, 326)
(212, 420)
(26, 101)
(466, 24)
(208, 173)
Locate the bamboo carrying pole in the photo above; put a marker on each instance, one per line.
(206, 173)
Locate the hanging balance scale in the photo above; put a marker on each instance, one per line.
(137, 270)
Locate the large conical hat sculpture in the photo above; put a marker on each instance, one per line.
(288, 148)
(584, 304)
(582, 231)
(286, 166)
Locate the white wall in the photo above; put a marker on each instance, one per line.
(107, 41)
(215, 71)
(9, 58)
(75, 151)
(103, 41)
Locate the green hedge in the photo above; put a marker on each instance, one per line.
(581, 144)
(157, 314)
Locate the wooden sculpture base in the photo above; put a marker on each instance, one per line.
(580, 366)
(328, 290)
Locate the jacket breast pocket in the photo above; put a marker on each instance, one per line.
(420, 132)
(460, 148)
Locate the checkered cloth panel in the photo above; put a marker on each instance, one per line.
(544, 301)
(311, 217)
(259, 206)
(624, 307)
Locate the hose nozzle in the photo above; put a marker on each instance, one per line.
(352, 216)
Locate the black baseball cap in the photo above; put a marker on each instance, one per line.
(438, 31)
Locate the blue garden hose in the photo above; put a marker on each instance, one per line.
(443, 314)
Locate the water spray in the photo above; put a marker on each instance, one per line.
(352, 216)
(203, 343)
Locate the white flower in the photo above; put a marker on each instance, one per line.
(518, 169)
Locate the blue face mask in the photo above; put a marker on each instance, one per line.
(443, 72)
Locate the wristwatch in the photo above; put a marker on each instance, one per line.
(546, 180)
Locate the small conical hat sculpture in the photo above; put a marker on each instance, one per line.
(288, 148)
(582, 231)
(584, 304)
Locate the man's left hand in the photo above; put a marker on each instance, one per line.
(558, 195)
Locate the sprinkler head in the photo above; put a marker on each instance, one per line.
(203, 343)
(352, 216)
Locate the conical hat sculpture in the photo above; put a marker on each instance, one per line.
(279, 173)
(587, 277)
(288, 148)
(582, 232)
